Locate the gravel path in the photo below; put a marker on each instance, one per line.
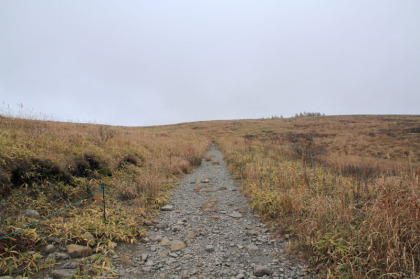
(208, 231)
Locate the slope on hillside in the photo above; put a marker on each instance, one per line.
(45, 166)
(344, 188)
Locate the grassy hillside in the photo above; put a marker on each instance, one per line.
(345, 189)
(45, 166)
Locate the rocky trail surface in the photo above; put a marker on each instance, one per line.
(208, 231)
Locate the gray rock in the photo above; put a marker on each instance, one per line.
(49, 249)
(210, 248)
(89, 238)
(78, 251)
(59, 256)
(177, 245)
(253, 233)
(62, 273)
(190, 235)
(170, 261)
(163, 253)
(235, 214)
(162, 226)
(252, 247)
(167, 207)
(176, 228)
(165, 241)
(205, 180)
(144, 257)
(70, 265)
(30, 213)
(261, 270)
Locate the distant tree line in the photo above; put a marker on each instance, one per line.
(297, 115)
(309, 114)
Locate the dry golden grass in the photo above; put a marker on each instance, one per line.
(346, 188)
(125, 260)
(208, 190)
(351, 203)
(209, 205)
(46, 165)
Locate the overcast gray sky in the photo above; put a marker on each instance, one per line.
(160, 62)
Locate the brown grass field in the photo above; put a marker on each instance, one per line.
(344, 188)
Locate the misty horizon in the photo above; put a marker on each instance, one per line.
(138, 63)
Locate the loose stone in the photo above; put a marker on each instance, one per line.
(49, 249)
(167, 207)
(30, 213)
(261, 270)
(78, 251)
(252, 247)
(190, 235)
(210, 248)
(178, 245)
(165, 241)
(62, 273)
(163, 254)
(89, 238)
(235, 214)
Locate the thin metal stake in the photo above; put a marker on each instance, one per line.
(103, 197)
